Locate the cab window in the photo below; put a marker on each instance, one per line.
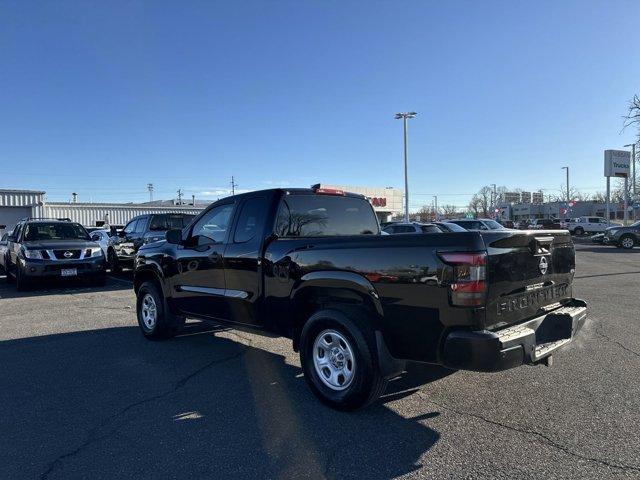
(214, 224)
(140, 226)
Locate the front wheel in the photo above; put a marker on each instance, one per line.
(22, 282)
(627, 242)
(338, 358)
(154, 318)
(578, 231)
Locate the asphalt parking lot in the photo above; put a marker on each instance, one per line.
(84, 395)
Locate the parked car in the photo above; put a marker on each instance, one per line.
(52, 249)
(449, 227)
(311, 265)
(545, 223)
(3, 251)
(412, 227)
(142, 230)
(590, 225)
(471, 224)
(103, 238)
(507, 223)
(523, 224)
(625, 237)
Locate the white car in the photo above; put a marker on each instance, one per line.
(102, 238)
(582, 225)
(3, 250)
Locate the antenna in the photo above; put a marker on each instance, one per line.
(179, 196)
(150, 188)
(233, 186)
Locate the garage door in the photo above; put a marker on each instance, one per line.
(9, 216)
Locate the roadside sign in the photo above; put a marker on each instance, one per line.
(468, 215)
(617, 163)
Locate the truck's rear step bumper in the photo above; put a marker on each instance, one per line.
(528, 342)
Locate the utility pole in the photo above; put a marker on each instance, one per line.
(405, 116)
(179, 196)
(150, 188)
(568, 199)
(233, 186)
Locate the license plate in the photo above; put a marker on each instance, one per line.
(69, 272)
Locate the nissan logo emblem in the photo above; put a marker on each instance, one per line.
(543, 265)
(68, 254)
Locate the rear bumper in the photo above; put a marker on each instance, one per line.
(525, 343)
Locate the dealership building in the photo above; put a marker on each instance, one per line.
(18, 204)
(386, 201)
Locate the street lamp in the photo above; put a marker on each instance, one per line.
(633, 168)
(568, 199)
(404, 117)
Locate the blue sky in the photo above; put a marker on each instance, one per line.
(103, 97)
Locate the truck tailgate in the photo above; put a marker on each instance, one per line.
(528, 273)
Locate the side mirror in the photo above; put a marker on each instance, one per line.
(174, 236)
(95, 238)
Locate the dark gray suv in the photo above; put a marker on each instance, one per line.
(52, 249)
(625, 237)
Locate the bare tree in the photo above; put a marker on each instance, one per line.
(481, 201)
(449, 211)
(633, 115)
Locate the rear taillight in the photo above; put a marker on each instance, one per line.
(468, 283)
(326, 191)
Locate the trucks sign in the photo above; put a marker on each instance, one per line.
(617, 163)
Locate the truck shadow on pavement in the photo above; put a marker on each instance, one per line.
(108, 403)
(8, 290)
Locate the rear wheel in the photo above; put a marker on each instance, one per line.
(154, 318)
(338, 358)
(112, 260)
(627, 241)
(578, 231)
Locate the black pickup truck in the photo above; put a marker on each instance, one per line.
(311, 265)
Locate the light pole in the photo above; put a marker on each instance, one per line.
(633, 168)
(405, 116)
(435, 202)
(568, 199)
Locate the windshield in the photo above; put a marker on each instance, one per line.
(493, 225)
(55, 231)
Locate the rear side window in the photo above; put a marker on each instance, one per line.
(404, 229)
(324, 215)
(251, 220)
(430, 229)
(169, 222)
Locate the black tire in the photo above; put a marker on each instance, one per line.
(112, 260)
(23, 284)
(9, 277)
(627, 242)
(166, 324)
(367, 383)
(578, 231)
